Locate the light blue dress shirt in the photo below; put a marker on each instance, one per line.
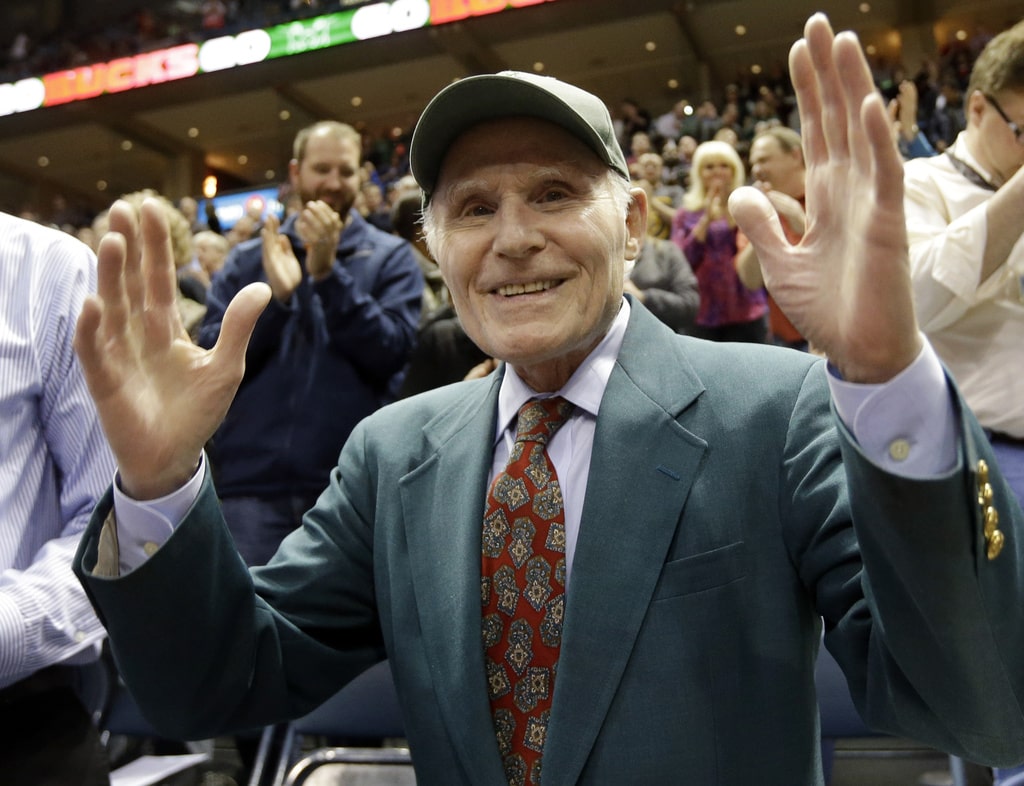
(54, 461)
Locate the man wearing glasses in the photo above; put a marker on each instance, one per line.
(965, 217)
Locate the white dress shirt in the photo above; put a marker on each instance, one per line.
(976, 327)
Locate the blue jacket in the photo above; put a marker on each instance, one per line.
(315, 366)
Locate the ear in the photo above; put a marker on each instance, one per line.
(975, 108)
(636, 222)
(293, 171)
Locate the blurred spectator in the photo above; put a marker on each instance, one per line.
(327, 351)
(663, 281)
(374, 209)
(631, 119)
(670, 124)
(777, 167)
(903, 116)
(211, 252)
(708, 236)
(663, 200)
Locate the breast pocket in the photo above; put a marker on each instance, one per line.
(701, 572)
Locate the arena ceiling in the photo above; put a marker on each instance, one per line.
(240, 122)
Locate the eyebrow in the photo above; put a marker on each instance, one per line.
(463, 188)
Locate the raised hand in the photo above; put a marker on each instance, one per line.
(846, 285)
(159, 397)
(279, 261)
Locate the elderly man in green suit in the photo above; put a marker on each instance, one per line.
(717, 504)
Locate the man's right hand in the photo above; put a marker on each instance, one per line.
(284, 273)
(159, 397)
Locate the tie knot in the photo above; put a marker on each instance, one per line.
(539, 419)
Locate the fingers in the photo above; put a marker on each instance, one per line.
(827, 85)
(857, 85)
(124, 220)
(88, 343)
(111, 282)
(239, 322)
(758, 220)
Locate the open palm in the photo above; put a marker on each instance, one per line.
(159, 396)
(846, 285)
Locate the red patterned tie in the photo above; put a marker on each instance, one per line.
(523, 590)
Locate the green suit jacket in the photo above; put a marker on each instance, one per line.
(726, 516)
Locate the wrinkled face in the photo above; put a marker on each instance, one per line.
(532, 239)
(770, 164)
(993, 142)
(329, 171)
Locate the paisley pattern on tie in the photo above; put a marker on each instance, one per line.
(523, 590)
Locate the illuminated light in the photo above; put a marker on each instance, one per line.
(43, 161)
(741, 30)
(961, 35)
(442, 11)
(687, 110)
(250, 46)
(864, 8)
(270, 174)
(126, 145)
(650, 46)
(125, 73)
(22, 96)
(871, 49)
(372, 21)
(284, 114)
(357, 101)
(755, 69)
(673, 84)
(396, 132)
(193, 132)
(243, 159)
(101, 185)
(210, 186)
(538, 66)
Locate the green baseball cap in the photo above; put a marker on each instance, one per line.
(475, 99)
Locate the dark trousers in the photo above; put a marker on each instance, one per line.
(47, 737)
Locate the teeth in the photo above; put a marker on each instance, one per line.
(522, 289)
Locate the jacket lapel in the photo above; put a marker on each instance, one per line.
(443, 503)
(641, 471)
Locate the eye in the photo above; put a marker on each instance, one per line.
(553, 195)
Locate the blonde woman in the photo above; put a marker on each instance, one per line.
(708, 236)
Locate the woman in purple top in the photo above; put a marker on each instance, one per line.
(708, 236)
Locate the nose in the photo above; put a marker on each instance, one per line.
(332, 181)
(517, 232)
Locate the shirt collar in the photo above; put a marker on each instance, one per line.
(961, 151)
(585, 388)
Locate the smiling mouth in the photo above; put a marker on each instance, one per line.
(510, 290)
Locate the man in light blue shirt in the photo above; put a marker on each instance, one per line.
(54, 466)
(722, 503)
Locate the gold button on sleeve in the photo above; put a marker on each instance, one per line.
(899, 449)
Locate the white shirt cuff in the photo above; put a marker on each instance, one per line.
(143, 526)
(907, 426)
